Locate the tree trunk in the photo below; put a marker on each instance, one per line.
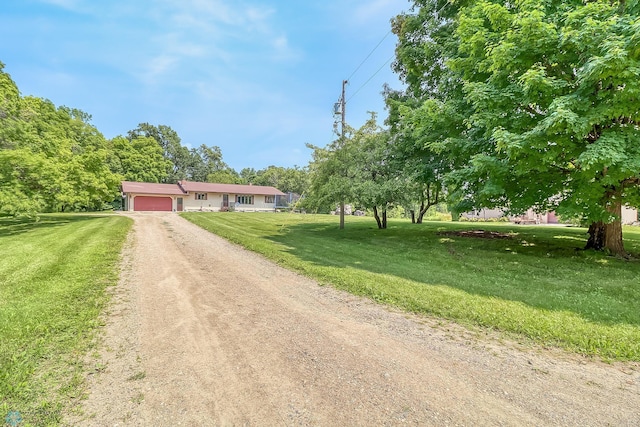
(377, 217)
(384, 218)
(341, 214)
(430, 202)
(421, 212)
(413, 216)
(608, 236)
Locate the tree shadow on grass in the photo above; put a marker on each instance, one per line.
(10, 226)
(541, 267)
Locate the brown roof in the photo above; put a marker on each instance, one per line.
(202, 187)
(151, 188)
(206, 187)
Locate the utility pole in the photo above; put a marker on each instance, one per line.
(343, 112)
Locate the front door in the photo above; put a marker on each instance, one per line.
(179, 204)
(225, 200)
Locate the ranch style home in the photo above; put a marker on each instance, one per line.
(198, 196)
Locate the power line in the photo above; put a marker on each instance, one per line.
(446, 3)
(369, 55)
(370, 78)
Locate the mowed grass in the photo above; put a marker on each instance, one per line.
(53, 279)
(538, 285)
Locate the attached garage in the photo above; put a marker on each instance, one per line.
(144, 196)
(147, 203)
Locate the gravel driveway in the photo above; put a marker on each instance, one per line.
(202, 332)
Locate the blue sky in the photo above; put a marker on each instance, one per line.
(257, 78)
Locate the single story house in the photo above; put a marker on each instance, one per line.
(198, 196)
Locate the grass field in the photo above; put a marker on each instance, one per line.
(537, 285)
(53, 277)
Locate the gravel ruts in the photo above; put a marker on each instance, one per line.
(202, 332)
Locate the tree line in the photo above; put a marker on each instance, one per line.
(511, 105)
(52, 159)
(515, 105)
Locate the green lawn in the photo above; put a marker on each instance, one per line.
(53, 277)
(537, 284)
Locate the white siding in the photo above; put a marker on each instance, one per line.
(214, 203)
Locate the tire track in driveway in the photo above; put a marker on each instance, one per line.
(226, 337)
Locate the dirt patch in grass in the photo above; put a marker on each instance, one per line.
(478, 234)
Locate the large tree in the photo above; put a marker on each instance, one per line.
(179, 156)
(549, 96)
(555, 91)
(51, 158)
(426, 118)
(139, 159)
(200, 164)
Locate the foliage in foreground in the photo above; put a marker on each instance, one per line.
(536, 284)
(53, 276)
(529, 103)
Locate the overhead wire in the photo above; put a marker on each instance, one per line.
(370, 78)
(446, 3)
(369, 55)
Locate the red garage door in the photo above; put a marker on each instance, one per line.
(146, 203)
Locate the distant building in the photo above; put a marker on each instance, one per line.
(629, 216)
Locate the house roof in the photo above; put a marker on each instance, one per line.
(185, 187)
(151, 188)
(206, 187)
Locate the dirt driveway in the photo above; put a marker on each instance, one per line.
(205, 333)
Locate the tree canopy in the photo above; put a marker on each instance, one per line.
(533, 104)
(51, 158)
(358, 170)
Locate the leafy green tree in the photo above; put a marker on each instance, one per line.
(541, 100)
(248, 175)
(357, 170)
(196, 164)
(330, 175)
(554, 88)
(179, 156)
(52, 158)
(426, 118)
(377, 183)
(288, 180)
(9, 97)
(417, 152)
(225, 176)
(139, 159)
(208, 166)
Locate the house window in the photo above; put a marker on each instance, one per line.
(244, 200)
(269, 199)
(201, 196)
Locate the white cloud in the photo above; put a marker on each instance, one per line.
(206, 37)
(158, 67)
(226, 23)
